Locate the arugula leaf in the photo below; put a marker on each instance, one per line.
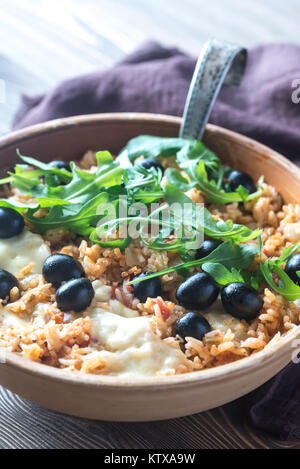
(114, 243)
(70, 199)
(192, 157)
(177, 179)
(46, 203)
(142, 184)
(185, 150)
(222, 275)
(152, 147)
(287, 253)
(212, 227)
(81, 186)
(254, 279)
(228, 254)
(80, 218)
(18, 206)
(44, 168)
(227, 229)
(198, 174)
(287, 288)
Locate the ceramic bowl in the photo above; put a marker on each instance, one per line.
(122, 399)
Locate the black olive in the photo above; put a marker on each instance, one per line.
(192, 325)
(11, 223)
(197, 292)
(7, 282)
(147, 289)
(241, 301)
(59, 268)
(292, 266)
(208, 246)
(60, 165)
(75, 295)
(150, 163)
(239, 178)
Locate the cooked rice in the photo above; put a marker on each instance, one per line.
(65, 340)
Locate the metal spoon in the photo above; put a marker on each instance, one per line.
(219, 62)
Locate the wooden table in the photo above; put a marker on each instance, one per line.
(42, 42)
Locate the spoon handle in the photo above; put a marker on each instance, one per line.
(219, 62)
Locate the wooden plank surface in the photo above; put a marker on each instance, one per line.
(26, 425)
(42, 42)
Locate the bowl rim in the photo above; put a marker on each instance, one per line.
(239, 367)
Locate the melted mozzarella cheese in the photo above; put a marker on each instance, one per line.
(9, 319)
(37, 318)
(22, 250)
(222, 321)
(102, 292)
(132, 348)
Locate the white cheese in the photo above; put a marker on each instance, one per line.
(103, 295)
(38, 318)
(122, 310)
(8, 319)
(102, 292)
(132, 348)
(39, 315)
(22, 250)
(222, 321)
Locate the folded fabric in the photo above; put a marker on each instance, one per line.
(275, 406)
(156, 79)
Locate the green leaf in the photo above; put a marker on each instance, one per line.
(114, 243)
(228, 254)
(32, 161)
(212, 227)
(46, 203)
(216, 195)
(287, 253)
(222, 275)
(6, 180)
(227, 229)
(288, 289)
(104, 158)
(45, 168)
(176, 179)
(152, 147)
(18, 206)
(254, 279)
(72, 197)
(83, 186)
(80, 218)
(243, 193)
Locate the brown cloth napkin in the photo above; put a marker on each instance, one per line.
(156, 79)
